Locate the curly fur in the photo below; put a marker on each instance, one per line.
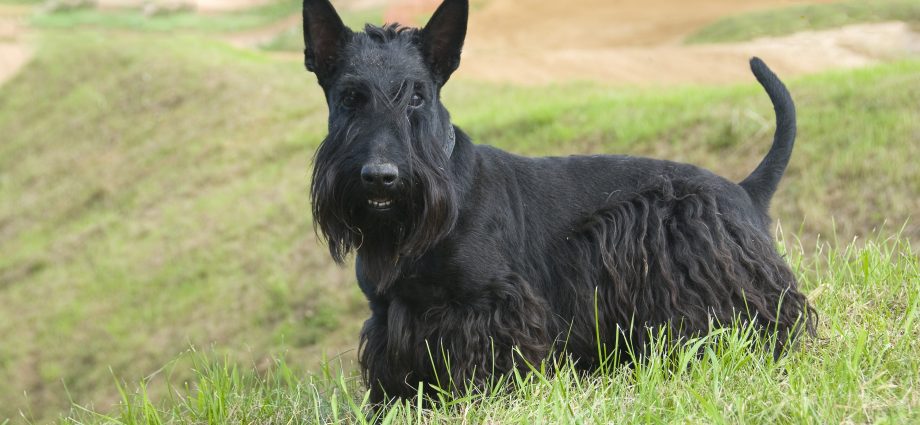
(671, 258)
(487, 262)
(453, 344)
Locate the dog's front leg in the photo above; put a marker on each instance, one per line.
(451, 335)
(483, 334)
(378, 374)
(468, 342)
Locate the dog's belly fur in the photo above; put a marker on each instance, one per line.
(541, 241)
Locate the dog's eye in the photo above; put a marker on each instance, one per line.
(417, 101)
(350, 99)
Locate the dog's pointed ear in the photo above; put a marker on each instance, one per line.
(442, 38)
(324, 35)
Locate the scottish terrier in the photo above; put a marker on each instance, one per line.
(476, 262)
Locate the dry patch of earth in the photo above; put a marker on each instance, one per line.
(15, 50)
(641, 41)
(796, 54)
(637, 42)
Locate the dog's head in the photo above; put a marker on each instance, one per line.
(380, 178)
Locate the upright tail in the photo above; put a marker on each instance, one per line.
(762, 183)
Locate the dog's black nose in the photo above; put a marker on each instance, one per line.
(379, 176)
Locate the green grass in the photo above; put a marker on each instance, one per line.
(862, 369)
(190, 21)
(153, 195)
(134, 19)
(175, 211)
(807, 17)
(21, 2)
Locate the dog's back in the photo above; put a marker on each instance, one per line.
(605, 178)
(658, 243)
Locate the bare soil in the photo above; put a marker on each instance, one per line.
(641, 42)
(801, 53)
(638, 42)
(15, 49)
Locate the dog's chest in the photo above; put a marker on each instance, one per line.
(428, 282)
(420, 290)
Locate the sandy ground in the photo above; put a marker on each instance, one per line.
(637, 42)
(591, 24)
(15, 50)
(801, 53)
(640, 42)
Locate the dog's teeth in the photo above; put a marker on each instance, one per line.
(379, 204)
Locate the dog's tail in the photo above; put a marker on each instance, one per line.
(762, 183)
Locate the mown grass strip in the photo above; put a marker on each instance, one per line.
(806, 17)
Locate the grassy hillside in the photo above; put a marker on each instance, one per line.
(862, 369)
(153, 196)
(159, 204)
(807, 17)
(256, 18)
(187, 20)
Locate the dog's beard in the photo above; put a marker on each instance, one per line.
(425, 206)
(424, 212)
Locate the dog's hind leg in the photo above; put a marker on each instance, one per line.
(670, 255)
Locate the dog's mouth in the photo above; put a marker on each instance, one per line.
(380, 204)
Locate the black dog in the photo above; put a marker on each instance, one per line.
(475, 260)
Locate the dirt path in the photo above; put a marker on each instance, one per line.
(637, 42)
(590, 24)
(15, 50)
(640, 42)
(801, 53)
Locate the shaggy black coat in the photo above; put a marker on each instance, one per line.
(475, 261)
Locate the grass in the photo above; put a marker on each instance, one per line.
(862, 368)
(129, 238)
(135, 20)
(21, 2)
(806, 17)
(153, 195)
(189, 21)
